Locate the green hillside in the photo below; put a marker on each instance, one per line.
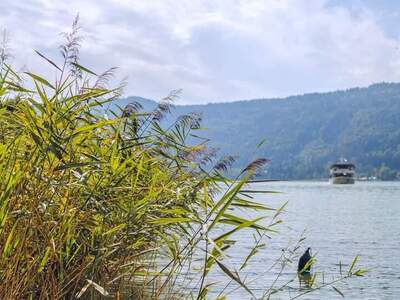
(304, 134)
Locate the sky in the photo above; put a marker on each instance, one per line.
(216, 51)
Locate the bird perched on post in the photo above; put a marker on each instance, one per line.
(304, 259)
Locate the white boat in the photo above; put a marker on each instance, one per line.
(342, 172)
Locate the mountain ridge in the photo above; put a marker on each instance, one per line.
(352, 89)
(306, 133)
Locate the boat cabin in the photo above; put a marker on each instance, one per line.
(342, 172)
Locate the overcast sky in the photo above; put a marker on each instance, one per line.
(217, 50)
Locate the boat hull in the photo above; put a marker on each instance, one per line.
(341, 180)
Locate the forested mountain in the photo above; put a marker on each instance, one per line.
(305, 134)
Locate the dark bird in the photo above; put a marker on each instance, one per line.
(304, 259)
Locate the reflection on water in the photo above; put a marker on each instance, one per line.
(305, 281)
(341, 221)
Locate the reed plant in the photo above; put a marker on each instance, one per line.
(98, 201)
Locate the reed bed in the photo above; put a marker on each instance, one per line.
(92, 197)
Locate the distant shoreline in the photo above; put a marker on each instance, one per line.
(316, 179)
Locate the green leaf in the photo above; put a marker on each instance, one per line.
(7, 246)
(40, 79)
(234, 276)
(48, 60)
(258, 192)
(204, 292)
(360, 272)
(353, 264)
(250, 204)
(75, 165)
(253, 252)
(243, 225)
(93, 126)
(308, 264)
(44, 259)
(115, 229)
(280, 210)
(164, 221)
(83, 68)
(15, 87)
(338, 291)
(226, 200)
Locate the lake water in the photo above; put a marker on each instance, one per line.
(340, 222)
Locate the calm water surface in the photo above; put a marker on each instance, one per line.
(341, 221)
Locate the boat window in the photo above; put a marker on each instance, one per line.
(342, 175)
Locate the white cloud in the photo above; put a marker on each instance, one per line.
(214, 50)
